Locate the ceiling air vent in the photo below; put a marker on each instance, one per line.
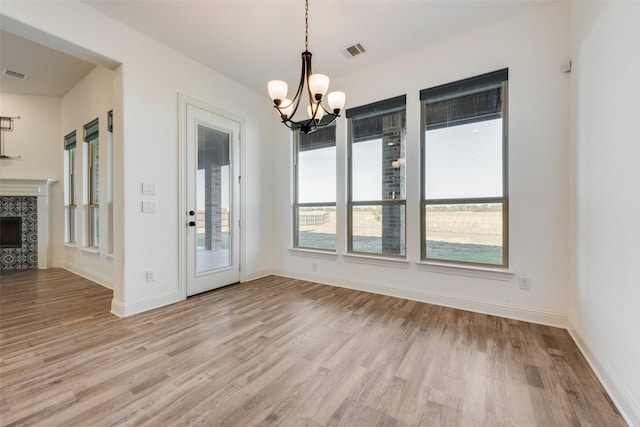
(353, 50)
(14, 74)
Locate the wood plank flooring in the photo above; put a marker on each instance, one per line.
(285, 352)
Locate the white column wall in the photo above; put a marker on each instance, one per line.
(604, 311)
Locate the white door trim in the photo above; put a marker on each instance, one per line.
(183, 101)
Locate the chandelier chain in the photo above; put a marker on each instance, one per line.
(306, 25)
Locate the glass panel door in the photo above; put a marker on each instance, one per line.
(213, 208)
(212, 200)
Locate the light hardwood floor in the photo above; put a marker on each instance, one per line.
(278, 351)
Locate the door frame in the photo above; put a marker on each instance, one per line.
(183, 101)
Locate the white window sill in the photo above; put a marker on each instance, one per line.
(94, 251)
(466, 270)
(377, 260)
(109, 255)
(313, 253)
(71, 245)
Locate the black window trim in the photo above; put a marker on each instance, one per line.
(296, 203)
(450, 91)
(387, 106)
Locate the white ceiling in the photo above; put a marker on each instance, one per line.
(49, 72)
(253, 42)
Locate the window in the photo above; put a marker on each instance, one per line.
(70, 185)
(376, 190)
(315, 189)
(464, 171)
(110, 182)
(93, 182)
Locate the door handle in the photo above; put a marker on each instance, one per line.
(192, 223)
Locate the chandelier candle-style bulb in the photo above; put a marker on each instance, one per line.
(277, 91)
(317, 86)
(336, 101)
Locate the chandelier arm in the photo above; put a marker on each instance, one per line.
(287, 123)
(331, 113)
(307, 65)
(333, 119)
(311, 125)
(314, 110)
(295, 101)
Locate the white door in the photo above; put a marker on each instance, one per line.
(212, 200)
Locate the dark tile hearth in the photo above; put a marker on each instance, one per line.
(25, 256)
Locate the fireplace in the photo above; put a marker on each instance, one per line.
(24, 223)
(10, 232)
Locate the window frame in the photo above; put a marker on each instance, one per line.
(296, 187)
(109, 192)
(504, 199)
(370, 110)
(71, 207)
(93, 145)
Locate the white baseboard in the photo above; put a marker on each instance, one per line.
(123, 310)
(56, 263)
(624, 401)
(543, 317)
(247, 277)
(99, 279)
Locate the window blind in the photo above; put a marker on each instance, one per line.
(91, 131)
(70, 141)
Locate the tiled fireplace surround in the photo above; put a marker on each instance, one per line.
(29, 199)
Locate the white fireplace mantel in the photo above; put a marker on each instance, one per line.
(25, 187)
(39, 188)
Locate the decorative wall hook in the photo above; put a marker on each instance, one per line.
(6, 124)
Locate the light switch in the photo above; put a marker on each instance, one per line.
(148, 207)
(148, 188)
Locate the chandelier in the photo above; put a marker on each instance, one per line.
(316, 85)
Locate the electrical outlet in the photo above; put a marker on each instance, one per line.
(151, 276)
(314, 267)
(525, 283)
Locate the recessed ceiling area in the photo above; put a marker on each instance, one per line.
(49, 72)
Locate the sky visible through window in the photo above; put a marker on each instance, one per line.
(366, 162)
(317, 175)
(464, 161)
(461, 161)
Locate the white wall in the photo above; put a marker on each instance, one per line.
(604, 311)
(153, 75)
(35, 136)
(146, 121)
(91, 98)
(36, 139)
(532, 46)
